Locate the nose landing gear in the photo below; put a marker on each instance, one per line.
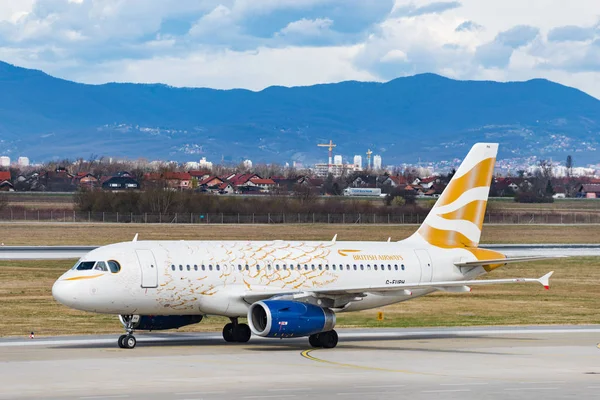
(235, 332)
(127, 341)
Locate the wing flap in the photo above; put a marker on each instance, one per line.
(479, 263)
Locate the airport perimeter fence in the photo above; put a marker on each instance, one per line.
(9, 215)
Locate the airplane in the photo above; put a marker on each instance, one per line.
(289, 289)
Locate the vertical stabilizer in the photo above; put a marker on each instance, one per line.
(456, 218)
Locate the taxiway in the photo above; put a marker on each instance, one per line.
(553, 362)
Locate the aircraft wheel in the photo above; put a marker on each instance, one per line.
(314, 341)
(228, 333)
(242, 333)
(121, 341)
(130, 342)
(328, 339)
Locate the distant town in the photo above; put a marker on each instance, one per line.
(334, 177)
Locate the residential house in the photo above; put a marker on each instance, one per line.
(589, 191)
(177, 180)
(120, 183)
(86, 180)
(58, 180)
(266, 185)
(5, 182)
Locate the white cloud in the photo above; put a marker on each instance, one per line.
(257, 43)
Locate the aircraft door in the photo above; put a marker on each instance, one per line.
(426, 265)
(148, 267)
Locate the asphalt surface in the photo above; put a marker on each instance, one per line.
(555, 362)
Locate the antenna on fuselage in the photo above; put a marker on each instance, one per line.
(135, 238)
(334, 238)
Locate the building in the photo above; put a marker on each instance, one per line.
(5, 182)
(23, 162)
(358, 163)
(120, 183)
(377, 162)
(205, 164)
(4, 161)
(337, 160)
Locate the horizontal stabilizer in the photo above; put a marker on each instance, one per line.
(478, 263)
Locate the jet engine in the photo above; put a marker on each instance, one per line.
(161, 322)
(285, 318)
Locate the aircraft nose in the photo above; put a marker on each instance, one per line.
(63, 292)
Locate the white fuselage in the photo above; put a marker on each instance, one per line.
(212, 277)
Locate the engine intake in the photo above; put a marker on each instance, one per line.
(161, 322)
(285, 318)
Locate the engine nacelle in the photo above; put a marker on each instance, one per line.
(285, 318)
(161, 322)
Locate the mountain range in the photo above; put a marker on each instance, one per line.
(425, 117)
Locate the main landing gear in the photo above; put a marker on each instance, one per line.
(326, 340)
(235, 332)
(127, 341)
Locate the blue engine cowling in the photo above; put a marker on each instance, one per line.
(285, 318)
(162, 322)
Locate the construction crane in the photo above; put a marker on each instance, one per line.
(369, 152)
(331, 146)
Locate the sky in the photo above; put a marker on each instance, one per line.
(254, 44)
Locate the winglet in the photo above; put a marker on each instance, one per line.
(545, 280)
(135, 238)
(334, 238)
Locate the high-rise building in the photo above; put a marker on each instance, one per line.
(358, 162)
(23, 162)
(4, 161)
(337, 160)
(205, 164)
(377, 162)
(247, 164)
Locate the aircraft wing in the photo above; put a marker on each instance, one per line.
(448, 286)
(479, 263)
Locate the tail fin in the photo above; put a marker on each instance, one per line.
(456, 218)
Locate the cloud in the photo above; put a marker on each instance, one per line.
(411, 10)
(469, 26)
(571, 33)
(307, 27)
(518, 36)
(497, 54)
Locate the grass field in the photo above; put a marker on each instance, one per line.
(27, 304)
(99, 234)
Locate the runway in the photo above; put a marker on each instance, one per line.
(553, 362)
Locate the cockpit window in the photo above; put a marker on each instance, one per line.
(86, 265)
(114, 266)
(100, 266)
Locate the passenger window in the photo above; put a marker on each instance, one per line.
(333, 266)
(389, 267)
(284, 267)
(218, 267)
(210, 267)
(203, 267)
(402, 266)
(188, 268)
(327, 267)
(116, 267)
(86, 265)
(277, 267)
(312, 266)
(396, 267)
(100, 266)
(362, 267)
(368, 267)
(306, 267)
(173, 267)
(181, 267)
(375, 267)
(195, 267)
(355, 267)
(257, 267)
(348, 267)
(247, 267)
